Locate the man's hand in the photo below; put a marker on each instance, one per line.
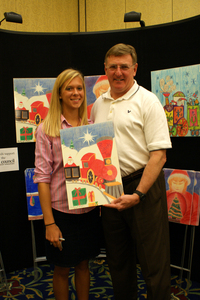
(124, 202)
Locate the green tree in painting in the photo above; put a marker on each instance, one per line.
(175, 210)
(71, 145)
(23, 92)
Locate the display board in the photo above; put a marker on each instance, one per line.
(40, 55)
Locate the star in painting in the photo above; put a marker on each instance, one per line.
(88, 137)
(38, 88)
(187, 74)
(193, 80)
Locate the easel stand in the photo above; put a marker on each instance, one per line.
(188, 268)
(35, 258)
(3, 278)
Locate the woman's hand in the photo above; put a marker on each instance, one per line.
(53, 235)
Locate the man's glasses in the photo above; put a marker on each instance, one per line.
(123, 67)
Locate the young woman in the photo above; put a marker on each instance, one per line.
(80, 227)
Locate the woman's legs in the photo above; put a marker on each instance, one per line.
(82, 280)
(60, 283)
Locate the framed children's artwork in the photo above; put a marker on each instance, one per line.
(32, 99)
(178, 92)
(182, 188)
(91, 165)
(33, 202)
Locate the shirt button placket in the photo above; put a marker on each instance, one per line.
(110, 115)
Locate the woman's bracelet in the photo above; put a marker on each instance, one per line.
(50, 224)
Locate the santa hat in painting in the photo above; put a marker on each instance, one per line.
(100, 81)
(181, 174)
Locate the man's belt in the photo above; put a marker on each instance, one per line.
(132, 176)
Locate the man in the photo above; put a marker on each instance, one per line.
(136, 224)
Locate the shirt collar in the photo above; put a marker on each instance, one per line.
(126, 96)
(63, 120)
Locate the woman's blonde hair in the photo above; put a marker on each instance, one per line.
(52, 122)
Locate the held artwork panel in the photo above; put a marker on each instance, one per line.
(91, 165)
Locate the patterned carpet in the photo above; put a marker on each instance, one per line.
(21, 284)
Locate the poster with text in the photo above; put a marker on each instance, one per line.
(9, 159)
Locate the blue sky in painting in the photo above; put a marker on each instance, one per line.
(83, 136)
(185, 79)
(33, 86)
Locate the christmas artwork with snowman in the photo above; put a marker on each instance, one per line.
(91, 165)
(183, 190)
